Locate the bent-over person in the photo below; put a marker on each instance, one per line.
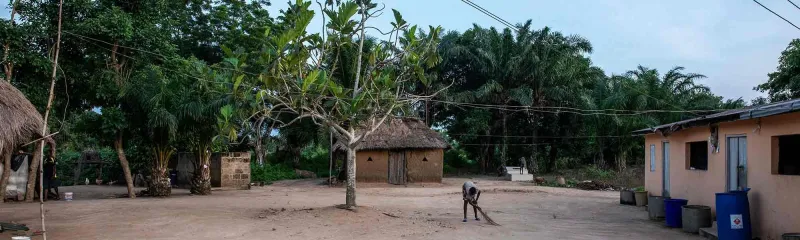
(470, 194)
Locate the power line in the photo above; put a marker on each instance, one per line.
(490, 14)
(500, 144)
(776, 14)
(795, 5)
(544, 137)
(518, 108)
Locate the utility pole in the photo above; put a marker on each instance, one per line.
(46, 115)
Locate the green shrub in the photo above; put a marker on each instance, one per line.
(594, 172)
(456, 159)
(572, 182)
(270, 172)
(315, 159)
(449, 169)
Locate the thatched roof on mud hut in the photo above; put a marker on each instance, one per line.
(20, 122)
(402, 133)
(90, 156)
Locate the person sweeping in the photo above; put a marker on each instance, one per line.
(471, 194)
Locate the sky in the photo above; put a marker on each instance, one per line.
(734, 43)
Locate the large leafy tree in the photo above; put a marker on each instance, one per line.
(784, 83)
(301, 75)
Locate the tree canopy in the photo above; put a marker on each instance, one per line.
(149, 78)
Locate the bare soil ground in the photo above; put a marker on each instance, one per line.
(304, 209)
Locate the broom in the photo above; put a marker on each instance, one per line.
(488, 219)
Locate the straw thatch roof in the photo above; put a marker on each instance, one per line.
(20, 122)
(403, 133)
(90, 156)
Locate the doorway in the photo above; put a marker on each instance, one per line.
(665, 158)
(736, 163)
(397, 167)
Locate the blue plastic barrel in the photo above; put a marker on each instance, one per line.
(733, 215)
(173, 177)
(673, 212)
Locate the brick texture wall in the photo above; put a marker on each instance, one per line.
(234, 169)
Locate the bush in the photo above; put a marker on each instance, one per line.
(449, 169)
(270, 172)
(594, 172)
(315, 159)
(456, 158)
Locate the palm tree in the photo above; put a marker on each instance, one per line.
(199, 104)
(157, 95)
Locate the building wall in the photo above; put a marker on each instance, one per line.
(376, 170)
(183, 163)
(424, 171)
(773, 198)
(18, 181)
(234, 170)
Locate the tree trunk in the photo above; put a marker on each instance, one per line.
(6, 173)
(350, 201)
(201, 183)
(621, 159)
(551, 165)
(296, 151)
(484, 158)
(259, 146)
(123, 161)
(160, 185)
(427, 112)
(600, 162)
(33, 172)
(504, 153)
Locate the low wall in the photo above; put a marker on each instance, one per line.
(228, 170)
(234, 170)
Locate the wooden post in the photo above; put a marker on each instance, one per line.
(46, 116)
(330, 159)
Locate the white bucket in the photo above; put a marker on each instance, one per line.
(21, 238)
(68, 196)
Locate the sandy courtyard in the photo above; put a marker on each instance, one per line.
(304, 210)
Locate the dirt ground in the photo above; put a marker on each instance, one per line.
(303, 209)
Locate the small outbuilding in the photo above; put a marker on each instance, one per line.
(403, 150)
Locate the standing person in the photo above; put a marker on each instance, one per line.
(522, 165)
(470, 194)
(51, 181)
(50, 178)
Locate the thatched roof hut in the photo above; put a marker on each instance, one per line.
(403, 133)
(20, 122)
(401, 150)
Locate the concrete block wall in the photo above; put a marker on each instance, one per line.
(234, 169)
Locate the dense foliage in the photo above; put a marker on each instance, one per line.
(142, 79)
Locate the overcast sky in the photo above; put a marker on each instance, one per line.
(736, 43)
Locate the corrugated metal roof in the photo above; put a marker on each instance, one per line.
(727, 116)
